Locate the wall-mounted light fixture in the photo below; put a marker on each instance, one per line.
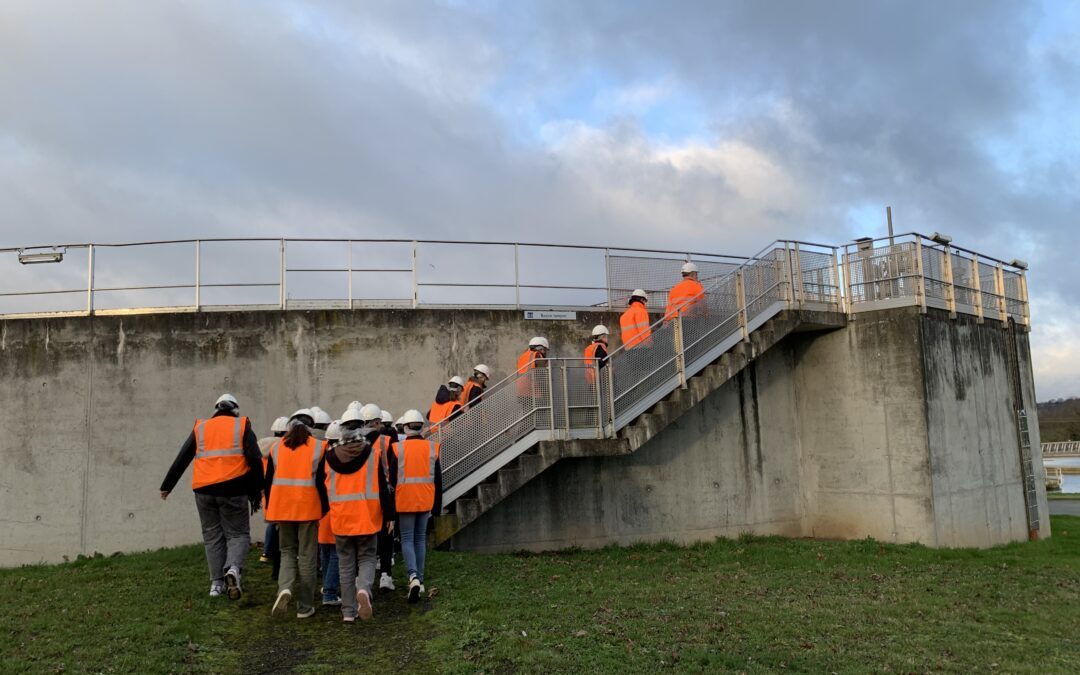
(941, 238)
(53, 256)
(1019, 264)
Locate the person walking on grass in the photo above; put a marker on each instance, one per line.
(270, 552)
(296, 500)
(225, 478)
(360, 504)
(416, 475)
(328, 557)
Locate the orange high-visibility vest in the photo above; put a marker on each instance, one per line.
(354, 498)
(634, 326)
(293, 495)
(415, 491)
(591, 362)
(469, 386)
(219, 450)
(525, 363)
(683, 297)
(382, 445)
(440, 412)
(326, 530)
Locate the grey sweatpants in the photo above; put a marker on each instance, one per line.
(299, 543)
(226, 531)
(357, 560)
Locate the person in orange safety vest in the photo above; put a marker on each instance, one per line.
(531, 358)
(416, 473)
(596, 353)
(685, 298)
(227, 470)
(447, 403)
(475, 386)
(296, 501)
(328, 557)
(634, 322)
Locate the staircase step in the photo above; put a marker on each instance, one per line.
(488, 494)
(532, 465)
(467, 510)
(511, 479)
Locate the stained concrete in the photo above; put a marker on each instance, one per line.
(897, 426)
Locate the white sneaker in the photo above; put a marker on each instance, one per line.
(363, 604)
(232, 582)
(304, 615)
(217, 590)
(423, 591)
(414, 590)
(386, 582)
(281, 605)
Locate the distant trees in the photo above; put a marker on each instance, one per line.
(1059, 420)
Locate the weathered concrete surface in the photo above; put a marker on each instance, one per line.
(96, 408)
(896, 426)
(725, 467)
(899, 427)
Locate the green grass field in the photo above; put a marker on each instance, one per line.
(748, 605)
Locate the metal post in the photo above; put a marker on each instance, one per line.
(1026, 308)
(415, 288)
(740, 302)
(976, 283)
(888, 217)
(836, 281)
(566, 397)
(999, 287)
(607, 277)
(90, 280)
(920, 289)
(198, 289)
(850, 301)
(785, 268)
(680, 355)
(950, 288)
(611, 397)
(517, 286)
(349, 243)
(598, 380)
(800, 292)
(550, 397)
(281, 278)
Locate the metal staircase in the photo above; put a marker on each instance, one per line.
(565, 408)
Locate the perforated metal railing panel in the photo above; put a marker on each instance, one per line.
(656, 275)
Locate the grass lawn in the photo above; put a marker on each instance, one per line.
(749, 605)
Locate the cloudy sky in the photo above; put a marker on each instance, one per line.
(690, 125)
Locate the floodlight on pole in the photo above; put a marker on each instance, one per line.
(53, 256)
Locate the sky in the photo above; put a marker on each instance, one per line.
(710, 126)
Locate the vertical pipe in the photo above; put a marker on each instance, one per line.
(999, 287)
(850, 301)
(800, 292)
(415, 288)
(740, 302)
(785, 269)
(198, 275)
(888, 217)
(517, 282)
(281, 276)
(611, 396)
(90, 280)
(550, 396)
(835, 282)
(349, 244)
(566, 396)
(599, 380)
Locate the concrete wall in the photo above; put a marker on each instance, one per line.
(95, 409)
(899, 426)
(727, 466)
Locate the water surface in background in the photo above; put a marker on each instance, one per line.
(1069, 482)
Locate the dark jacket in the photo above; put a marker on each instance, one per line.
(386, 495)
(445, 396)
(436, 508)
(320, 479)
(247, 485)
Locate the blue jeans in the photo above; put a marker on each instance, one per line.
(329, 561)
(414, 541)
(270, 547)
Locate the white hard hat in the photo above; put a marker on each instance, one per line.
(599, 329)
(539, 342)
(457, 380)
(280, 424)
(386, 417)
(351, 415)
(356, 404)
(321, 416)
(400, 420)
(482, 369)
(639, 293)
(689, 268)
(371, 412)
(413, 417)
(226, 398)
(333, 432)
(306, 412)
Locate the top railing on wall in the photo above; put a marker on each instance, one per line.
(194, 275)
(260, 273)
